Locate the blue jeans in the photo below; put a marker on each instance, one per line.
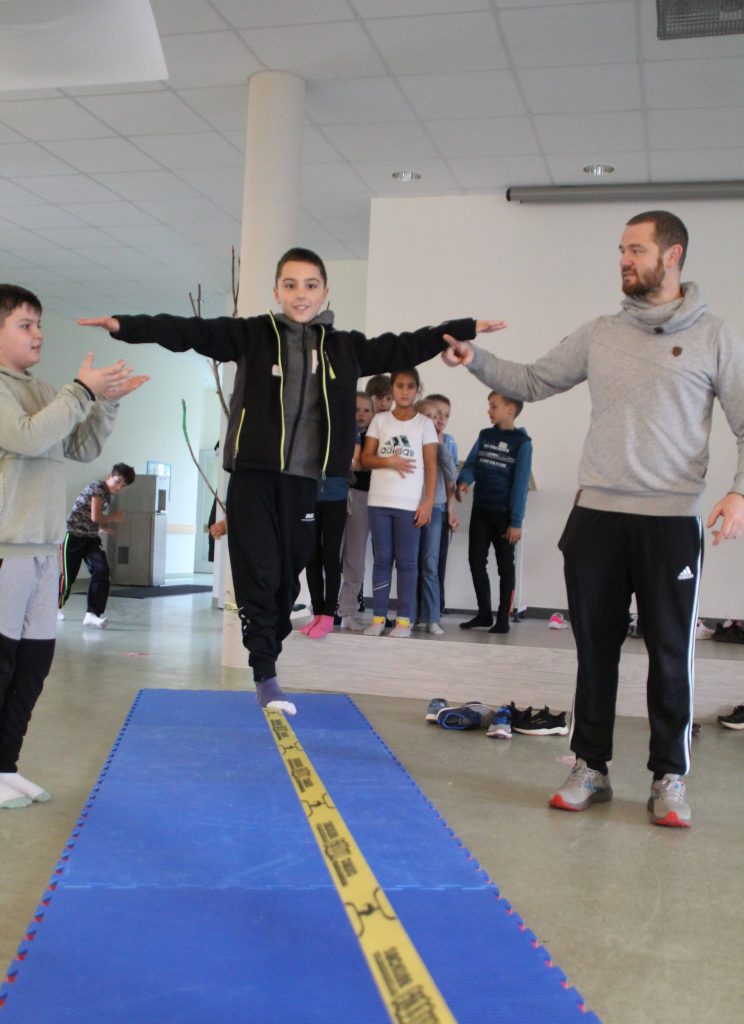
(394, 538)
(431, 535)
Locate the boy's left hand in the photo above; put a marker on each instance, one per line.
(514, 534)
(126, 386)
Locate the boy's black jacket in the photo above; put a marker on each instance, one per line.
(258, 347)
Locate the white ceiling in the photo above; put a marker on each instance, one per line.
(123, 197)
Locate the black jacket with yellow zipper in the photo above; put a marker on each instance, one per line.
(294, 383)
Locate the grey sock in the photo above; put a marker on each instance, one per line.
(269, 694)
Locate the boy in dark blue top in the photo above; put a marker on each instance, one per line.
(499, 465)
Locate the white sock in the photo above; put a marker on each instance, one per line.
(24, 786)
(10, 797)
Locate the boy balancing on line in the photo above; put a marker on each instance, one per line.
(499, 465)
(291, 422)
(653, 369)
(89, 518)
(39, 427)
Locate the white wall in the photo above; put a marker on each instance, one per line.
(148, 425)
(545, 269)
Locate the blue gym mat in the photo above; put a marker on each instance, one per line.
(193, 892)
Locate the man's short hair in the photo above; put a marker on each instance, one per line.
(299, 255)
(379, 386)
(12, 296)
(124, 471)
(668, 230)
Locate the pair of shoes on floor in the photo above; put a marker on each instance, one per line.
(556, 621)
(402, 627)
(586, 786)
(729, 632)
(735, 720)
(539, 723)
(91, 619)
(703, 632)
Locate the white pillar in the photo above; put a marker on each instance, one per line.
(271, 193)
(271, 202)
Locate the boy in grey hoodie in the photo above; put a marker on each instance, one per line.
(39, 427)
(653, 370)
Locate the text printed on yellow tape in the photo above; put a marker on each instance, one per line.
(407, 989)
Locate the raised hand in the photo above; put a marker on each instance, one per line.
(489, 326)
(108, 323)
(108, 381)
(126, 387)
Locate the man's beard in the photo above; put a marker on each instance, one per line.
(647, 284)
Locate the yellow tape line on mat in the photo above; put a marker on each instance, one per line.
(407, 989)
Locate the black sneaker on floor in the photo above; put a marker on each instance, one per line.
(519, 717)
(735, 720)
(477, 621)
(542, 723)
(729, 633)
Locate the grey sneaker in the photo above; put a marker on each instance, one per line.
(583, 787)
(666, 804)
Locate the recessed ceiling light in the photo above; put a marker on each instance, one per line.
(598, 170)
(406, 176)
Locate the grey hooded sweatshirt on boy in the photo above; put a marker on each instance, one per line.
(653, 372)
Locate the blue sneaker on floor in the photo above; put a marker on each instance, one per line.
(435, 706)
(500, 728)
(472, 715)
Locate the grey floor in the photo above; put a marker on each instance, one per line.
(646, 922)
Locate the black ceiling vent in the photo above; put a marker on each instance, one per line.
(692, 19)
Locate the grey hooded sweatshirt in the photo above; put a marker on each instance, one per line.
(39, 428)
(653, 372)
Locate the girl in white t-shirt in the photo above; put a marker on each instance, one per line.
(401, 451)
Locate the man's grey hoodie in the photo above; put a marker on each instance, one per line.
(653, 372)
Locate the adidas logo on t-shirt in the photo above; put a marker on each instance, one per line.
(686, 574)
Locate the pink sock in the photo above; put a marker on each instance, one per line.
(322, 627)
(314, 622)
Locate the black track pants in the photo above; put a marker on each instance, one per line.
(608, 556)
(24, 665)
(270, 533)
(75, 550)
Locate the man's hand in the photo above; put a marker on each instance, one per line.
(108, 323)
(457, 353)
(731, 509)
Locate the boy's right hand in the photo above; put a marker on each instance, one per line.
(462, 488)
(104, 379)
(109, 323)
